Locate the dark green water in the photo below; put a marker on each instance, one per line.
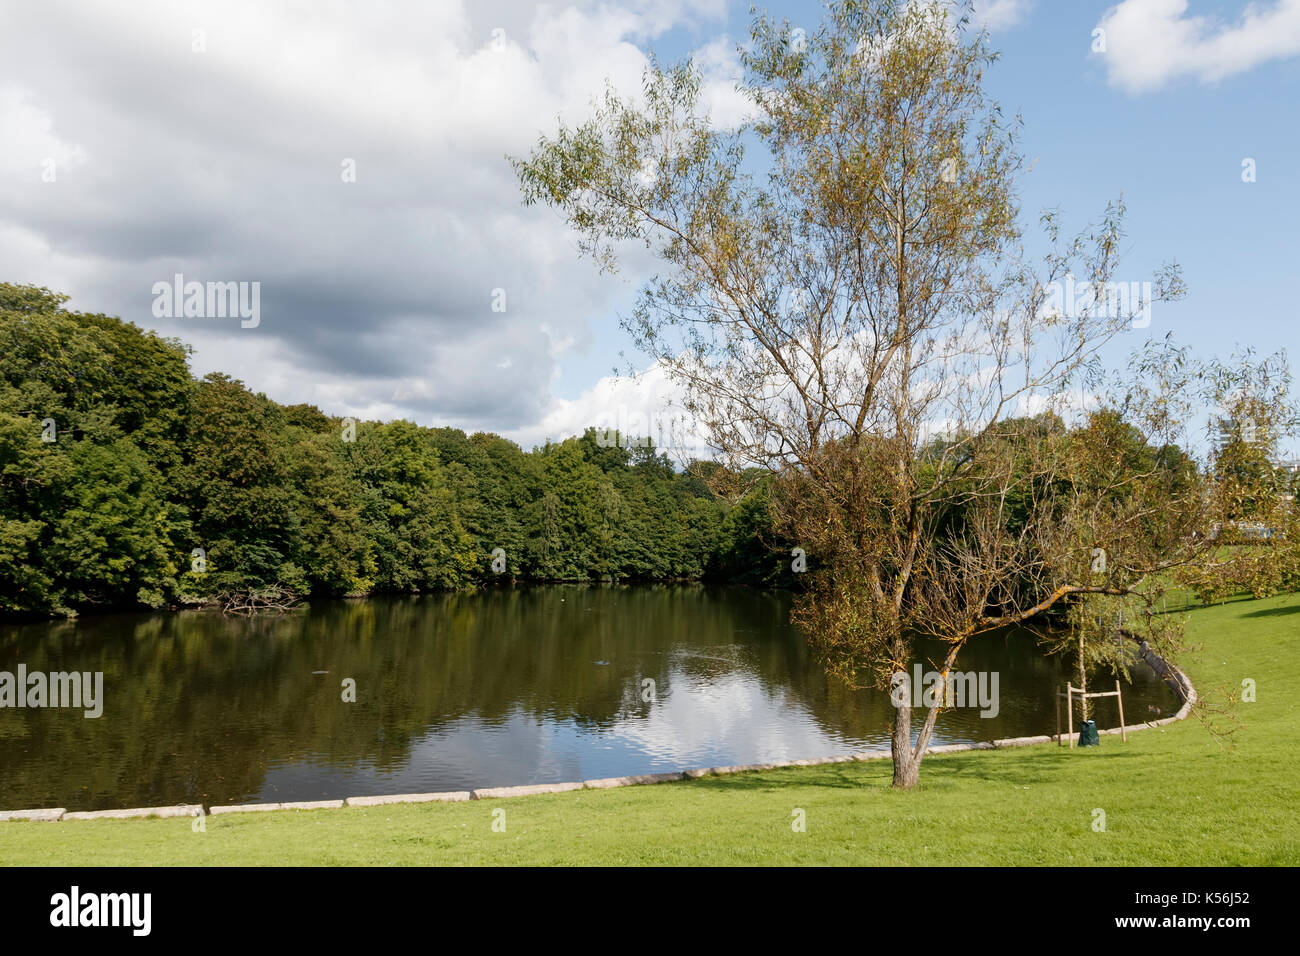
(462, 691)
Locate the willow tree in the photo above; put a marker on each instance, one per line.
(845, 303)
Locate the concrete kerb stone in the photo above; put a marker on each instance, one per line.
(44, 815)
(449, 796)
(246, 808)
(1022, 741)
(180, 810)
(819, 761)
(607, 783)
(528, 790)
(743, 768)
(697, 773)
(263, 807)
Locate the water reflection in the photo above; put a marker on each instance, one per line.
(458, 691)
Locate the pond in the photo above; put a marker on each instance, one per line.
(457, 691)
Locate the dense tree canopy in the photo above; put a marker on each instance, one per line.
(125, 481)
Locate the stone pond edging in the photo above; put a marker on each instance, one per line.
(1169, 673)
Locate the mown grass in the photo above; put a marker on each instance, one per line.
(1170, 796)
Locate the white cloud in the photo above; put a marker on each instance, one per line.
(226, 165)
(720, 66)
(730, 708)
(27, 130)
(645, 405)
(1151, 42)
(997, 15)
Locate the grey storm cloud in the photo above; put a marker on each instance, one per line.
(210, 140)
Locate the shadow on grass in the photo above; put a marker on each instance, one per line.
(837, 776)
(1038, 767)
(1041, 766)
(1241, 598)
(1274, 611)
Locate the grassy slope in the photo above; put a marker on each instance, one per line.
(1171, 796)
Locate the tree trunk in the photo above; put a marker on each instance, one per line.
(907, 758)
(1083, 681)
(907, 769)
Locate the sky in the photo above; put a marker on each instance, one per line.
(351, 159)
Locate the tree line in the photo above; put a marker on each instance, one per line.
(125, 481)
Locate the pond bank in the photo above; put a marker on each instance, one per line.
(460, 692)
(1171, 797)
(1178, 681)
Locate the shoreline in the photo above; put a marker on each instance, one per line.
(1177, 680)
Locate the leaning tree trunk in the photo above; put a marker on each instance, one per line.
(907, 758)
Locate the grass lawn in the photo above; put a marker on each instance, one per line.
(1171, 796)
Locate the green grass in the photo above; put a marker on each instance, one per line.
(1171, 796)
